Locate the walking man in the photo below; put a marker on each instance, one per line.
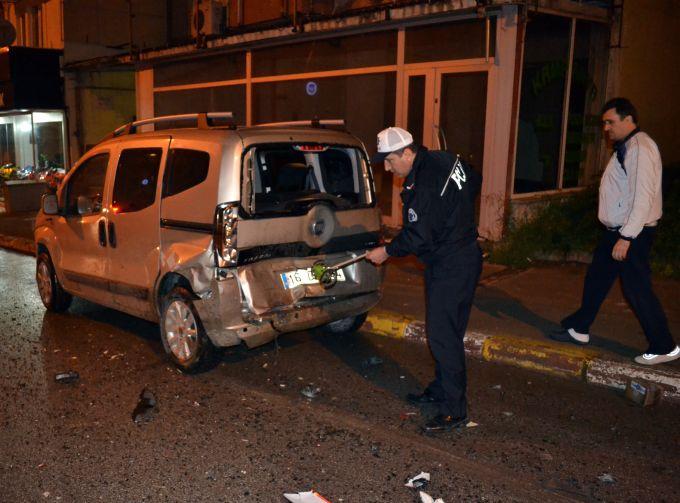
(439, 228)
(630, 209)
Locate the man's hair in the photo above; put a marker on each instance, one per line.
(623, 108)
(400, 151)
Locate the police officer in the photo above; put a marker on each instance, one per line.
(439, 228)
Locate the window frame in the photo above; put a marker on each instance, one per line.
(75, 172)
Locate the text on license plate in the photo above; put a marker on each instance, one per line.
(303, 277)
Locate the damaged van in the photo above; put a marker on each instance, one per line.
(213, 231)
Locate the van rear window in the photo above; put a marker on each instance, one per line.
(289, 178)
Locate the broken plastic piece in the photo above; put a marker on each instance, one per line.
(471, 424)
(67, 377)
(426, 498)
(373, 361)
(146, 407)
(420, 480)
(310, 392)
(606, 478)
(305, 497)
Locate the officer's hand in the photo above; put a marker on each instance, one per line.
(377, 255)
(620, 249)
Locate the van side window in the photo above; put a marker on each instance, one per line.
(185, 169)
(136, 176)
(87, 181)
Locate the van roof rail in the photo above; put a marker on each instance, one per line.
(203, 121)
(320, 123)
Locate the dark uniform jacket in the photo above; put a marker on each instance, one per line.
(439, 208)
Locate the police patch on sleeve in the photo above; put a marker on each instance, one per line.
(412, 215)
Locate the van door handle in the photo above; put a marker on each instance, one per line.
(112, 235)
(102, 233)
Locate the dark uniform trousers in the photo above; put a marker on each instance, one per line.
(636, 280)
(449, 288)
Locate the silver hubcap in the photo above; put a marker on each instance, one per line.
(44, 279)
(181, 330)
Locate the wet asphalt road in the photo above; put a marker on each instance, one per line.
(244, 432)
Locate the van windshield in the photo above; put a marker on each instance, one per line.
(289, 178)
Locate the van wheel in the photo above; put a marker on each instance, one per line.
(53, 296)
(345, 325)
(182, 333)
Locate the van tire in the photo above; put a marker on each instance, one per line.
(53, 296)
(182, 333)
(345, 325)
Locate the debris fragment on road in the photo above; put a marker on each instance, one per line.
(310, 392)
(67, 377)
(373, 361)
(305, 497)
(419, 481)
(146, 407)
(642, 392)
(607, 478)
(426, 498)
(471, 424)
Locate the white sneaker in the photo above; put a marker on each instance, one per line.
(651, 359)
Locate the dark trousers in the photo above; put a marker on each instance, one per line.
(449, 289)
(636, 280)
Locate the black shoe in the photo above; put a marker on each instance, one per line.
(423, 398)
(443, 423)
(563, 335)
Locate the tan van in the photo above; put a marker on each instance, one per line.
(212, 231)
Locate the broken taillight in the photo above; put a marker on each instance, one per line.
(224, 240)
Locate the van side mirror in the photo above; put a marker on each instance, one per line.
(49, 204)
(85, 205)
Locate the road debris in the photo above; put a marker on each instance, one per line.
(405, 415)
(310, 392)
(607, 478)
(426, 498)
(507, 413)
(496, 386)
(643, 393)
(419, 481)
(67, 377)
(471, 424)
(146, 407)
(305, 497)
(373, 361)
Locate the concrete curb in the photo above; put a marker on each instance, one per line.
(22, 245)
(543, 356)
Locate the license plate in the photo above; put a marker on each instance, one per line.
(303, 277)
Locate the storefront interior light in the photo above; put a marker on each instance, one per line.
(24, 127)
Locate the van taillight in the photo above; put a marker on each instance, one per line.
(224, 240)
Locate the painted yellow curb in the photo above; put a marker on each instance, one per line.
(389, 324)
(537, 355)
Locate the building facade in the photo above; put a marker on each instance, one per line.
(514, 87)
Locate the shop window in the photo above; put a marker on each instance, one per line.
(366, 102)
(136, 176)
(211, 69)
(539, 131)
(186, 168)
(442, 42)
(88, 181)
(541, 144)
(586, 97)
(209, 99)
(32, 145)
(357, 51)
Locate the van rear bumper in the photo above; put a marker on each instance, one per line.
(261, 329)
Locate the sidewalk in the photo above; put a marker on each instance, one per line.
(512, 315)
(515, 310)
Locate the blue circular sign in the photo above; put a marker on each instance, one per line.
(311, 88)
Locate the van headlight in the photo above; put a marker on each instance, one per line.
(224, 240)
